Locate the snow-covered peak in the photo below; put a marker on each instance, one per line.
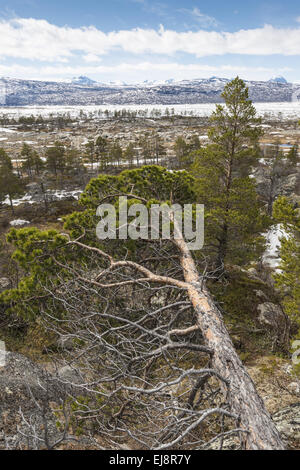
(279, 79)
(82, 80)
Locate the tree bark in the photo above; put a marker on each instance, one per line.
(240, 391)
(11, 204)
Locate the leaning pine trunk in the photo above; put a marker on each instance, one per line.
(241, 392)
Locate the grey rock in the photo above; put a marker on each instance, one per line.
(287, 422)
(25, 390)
(34, 189)
(261, 295)
(229, 443)
(272, 317)
(253, 274)
(294, 387)
(4, 283)
(69, 375)
(288, 185)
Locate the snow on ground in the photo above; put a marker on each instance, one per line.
(16, 202)
(62, 194)
(19, 222)
(57, 195)
(7, 131)
(271, 257)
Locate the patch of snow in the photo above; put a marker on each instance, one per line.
(18, 222)
(8, 131)
(63, 194)
(57, 195)
(16, 202)
(271, 257)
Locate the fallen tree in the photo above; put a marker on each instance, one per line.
(90, 291)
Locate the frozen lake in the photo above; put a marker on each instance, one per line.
(276, 110)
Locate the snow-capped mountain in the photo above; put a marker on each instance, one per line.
(279, 79)
(84, 91)
(82, 80)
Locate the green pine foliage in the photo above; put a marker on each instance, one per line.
(288, 277)
(37, 253)
(48, 261)
(32, 163)
(55, 158)
(233, 215)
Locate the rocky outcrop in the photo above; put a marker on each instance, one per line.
(287, 422)
(272, 317)
(4, 283)
(26, 394)
(29, 394)
(284, 182)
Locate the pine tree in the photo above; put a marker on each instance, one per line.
(293, 155)
(73, 163)
(288, 276)
(55, 158)
(181, 149)
(116, 153)
(159, 148)
(5, 161)
(102, 151)
(32, 162)
(194, 143)
(59, 270)
(146, 149)
(233, 217)
(10, 184)
(27, 164)
(273, 168)
(90, 152)
(129, 154)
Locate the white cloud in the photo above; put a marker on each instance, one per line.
(205, 21)
(39, 40)
(91, 58)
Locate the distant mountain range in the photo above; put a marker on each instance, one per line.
(85, 91)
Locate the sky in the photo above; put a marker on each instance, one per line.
(142, 40)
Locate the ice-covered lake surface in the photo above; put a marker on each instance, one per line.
(284, 110)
